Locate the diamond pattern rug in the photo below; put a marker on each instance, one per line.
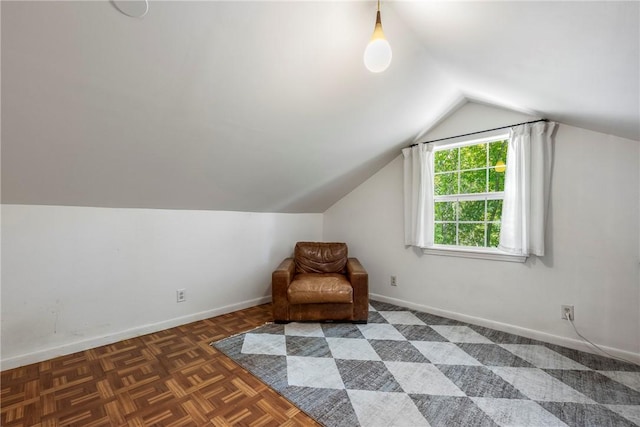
(407, 368)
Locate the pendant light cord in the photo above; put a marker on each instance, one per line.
(146, 9)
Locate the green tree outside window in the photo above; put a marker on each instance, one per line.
(468, 191)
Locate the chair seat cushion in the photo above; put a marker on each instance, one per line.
(313, 288)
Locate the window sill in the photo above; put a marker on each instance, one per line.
(477, 253)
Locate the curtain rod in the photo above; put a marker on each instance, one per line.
(480, 131)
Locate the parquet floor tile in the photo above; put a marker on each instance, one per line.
(168, 378)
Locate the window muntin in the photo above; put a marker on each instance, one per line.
(468, 193)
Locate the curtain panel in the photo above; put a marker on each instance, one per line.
(526, 189)
(418, 195)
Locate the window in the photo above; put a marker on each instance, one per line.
(468, 188)
(462, 200)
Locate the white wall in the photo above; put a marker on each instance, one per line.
(593, 249)
(74, 277)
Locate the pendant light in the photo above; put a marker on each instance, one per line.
(377, 55)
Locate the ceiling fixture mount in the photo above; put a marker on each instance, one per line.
(131, 8)
(377, 55)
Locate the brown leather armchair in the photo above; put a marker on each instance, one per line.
(320, 283)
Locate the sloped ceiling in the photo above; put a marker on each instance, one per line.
(266, 106)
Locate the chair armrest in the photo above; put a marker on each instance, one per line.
(359, 279)
(355, 268)
(280, 280)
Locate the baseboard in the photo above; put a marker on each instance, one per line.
(575, 344)
(50, 353)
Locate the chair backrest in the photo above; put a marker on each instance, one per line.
(316, 257)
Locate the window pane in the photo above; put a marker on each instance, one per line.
(446, 160)
(472, 211)
(469, 170)
(446, 183)
(494, 210)
(445, 233)
(471, 234)
(473, 156)
(496, 180)
(497, 151)
(445, 211)
(493, 234)
(473, 181)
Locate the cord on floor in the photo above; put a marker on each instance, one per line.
(568, 317)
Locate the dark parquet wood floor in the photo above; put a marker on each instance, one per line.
(169, 378)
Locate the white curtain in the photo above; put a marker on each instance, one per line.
(418, 195)
(526, 189)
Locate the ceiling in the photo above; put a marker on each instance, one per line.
(267, 107)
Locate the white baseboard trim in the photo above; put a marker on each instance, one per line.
(576, 344)
(73, 347)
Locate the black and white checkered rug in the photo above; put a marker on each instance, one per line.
(407, 368)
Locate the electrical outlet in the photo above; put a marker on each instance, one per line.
(394, 281)
(181, 295)
(567, 309)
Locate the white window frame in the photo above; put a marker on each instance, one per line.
(478, 252)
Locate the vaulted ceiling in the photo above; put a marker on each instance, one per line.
(266, 106)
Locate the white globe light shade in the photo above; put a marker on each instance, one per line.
(377, 55)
